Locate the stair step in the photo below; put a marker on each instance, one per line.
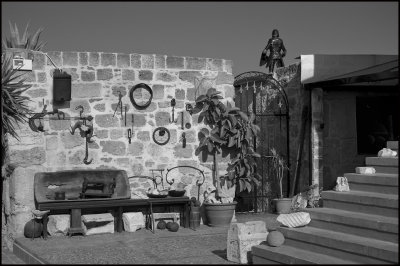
(382, 183)
(386, 169)
(263, 254)
(393, 145)
(343, 245)
(362, 201)
(361, 224)
(382, 161)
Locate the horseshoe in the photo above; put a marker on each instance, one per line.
(85, 161)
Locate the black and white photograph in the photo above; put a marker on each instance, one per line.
(200, 132)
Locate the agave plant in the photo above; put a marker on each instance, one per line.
(13, 104)
(26, 41)
(231, 133)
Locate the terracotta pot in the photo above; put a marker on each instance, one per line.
(283, 205)
(219, 214)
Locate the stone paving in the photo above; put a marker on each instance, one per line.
(206, 245)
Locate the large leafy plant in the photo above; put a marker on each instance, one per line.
(26, 41)
(14, 107)
(232, 133)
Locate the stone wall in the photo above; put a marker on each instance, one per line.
(290, 77)
(97, 78)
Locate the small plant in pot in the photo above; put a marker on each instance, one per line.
(283, 205)
(232, 132)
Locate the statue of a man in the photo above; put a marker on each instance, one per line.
(276, 52)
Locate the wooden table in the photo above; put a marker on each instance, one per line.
(75, 207)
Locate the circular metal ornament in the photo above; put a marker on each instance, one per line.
(161, 135)
(141, 86)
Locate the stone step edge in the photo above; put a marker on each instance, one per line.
(361, 197)
(29, 257)
(382, 161)
(374, 221)
(373, 179)
(294, 255)
(333, 239)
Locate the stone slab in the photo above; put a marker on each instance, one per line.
(98, 223)
(133, 221)
(58, 224)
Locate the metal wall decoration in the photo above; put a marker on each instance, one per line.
(161, 135)
(198, 183)
(261, 94)
(145, 87)
(119, 105)
(173, 103)
(40, 116)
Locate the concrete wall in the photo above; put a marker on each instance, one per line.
(96, 80)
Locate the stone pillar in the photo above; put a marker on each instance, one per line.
(317, 125)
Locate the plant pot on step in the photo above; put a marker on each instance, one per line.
(219, 214)
(282, 205)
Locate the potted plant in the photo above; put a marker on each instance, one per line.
(231, 133)
(282, 205)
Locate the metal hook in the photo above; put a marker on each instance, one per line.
(81, 111)
(173, 103)
(85, 161)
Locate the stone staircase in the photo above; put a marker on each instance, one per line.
(360, 226)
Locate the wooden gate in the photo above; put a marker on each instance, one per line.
(263, 95)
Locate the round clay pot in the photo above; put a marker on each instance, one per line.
(283, 205)
(275, 238)
(219, 214)
(33, 229)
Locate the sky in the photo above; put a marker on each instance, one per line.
(237, 31)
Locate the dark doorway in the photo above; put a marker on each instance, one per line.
(377, 122)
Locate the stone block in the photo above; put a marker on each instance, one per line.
(228, 66)
(147, 61)
(189, 76)
(145, 75)
(94, 59)
(229, 91)
(55, 158)
(34, 156)
(83, 59)
(100, 107)
(79, 102)
(128, 74)
(162, 118)
(107, 120)
(175, 62)
(98, 223)
(158, 92)
(87, 76)
(180, 152)
(241, 237)
(167, 217)
(73, 72)
(118, 89)
(135, 148)
(224, 78)
(113, 147)
(86, 90)
(104, 74)
(37, 93)
(77, 157)
(195, 63)
(166, 77)
(159, 61)
(143, 135)
(179, 94)
(70, 141)
(137, 169)
(56, 57)
(51, 143)
(116, 133)
(215, 64)
(108, 59)
(42, 77)
(21, 185)
(70, 58)
(136, 60)
(39, 61)
(101, 133)
(133, 221)
(123, 60)
(58, 225)
(365, 170)
(123, 162)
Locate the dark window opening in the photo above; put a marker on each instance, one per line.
(377, 123)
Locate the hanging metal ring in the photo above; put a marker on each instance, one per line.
(160, 131)
(143, 86)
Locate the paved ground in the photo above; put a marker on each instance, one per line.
(207, 245)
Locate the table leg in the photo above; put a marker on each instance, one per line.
(152, 218)
(44, 221)
(76, 224)
(119, 220)
(186, 215)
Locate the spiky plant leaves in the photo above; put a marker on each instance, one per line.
(26, 41)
